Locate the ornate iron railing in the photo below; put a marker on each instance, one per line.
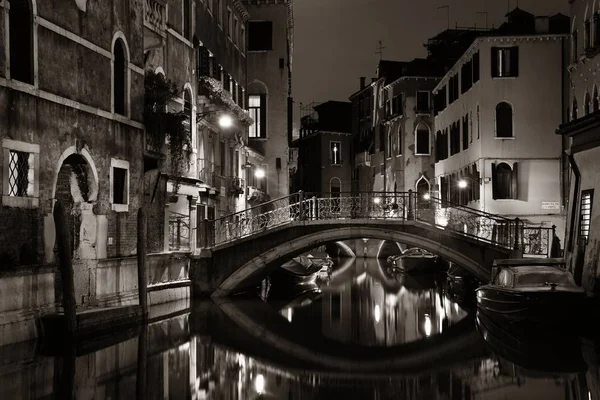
(179, 231)
(400, 206)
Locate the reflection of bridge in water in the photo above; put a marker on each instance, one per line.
(242, 248)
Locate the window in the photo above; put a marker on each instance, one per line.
(187, 19)
(390, 144)
(466, 76)
(399, 141)
(422, 140)
(20, 174)
(423, 105)
(504, 181)
(587, 35)
(476, 67)
(229, 23)
(260, 35)
(235, 31)
(596, 29)
(222, 158)
(397, 105)
(587, 104)
(455, 138)
(119, 77)
(465, 132)
(585, 213)
(187, 110)
(504, 120)
(257, 111)
(505, 62)
(220, 12)
(478, 124)
(20, 17)
(335, 153)
(119, 185)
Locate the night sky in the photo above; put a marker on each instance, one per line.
(335, 40)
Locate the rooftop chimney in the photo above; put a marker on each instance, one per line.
(362, 82)
(542, 24)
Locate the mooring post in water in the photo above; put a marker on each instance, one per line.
(65, 267)
(141, 259)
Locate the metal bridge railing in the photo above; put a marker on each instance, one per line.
(399, 206)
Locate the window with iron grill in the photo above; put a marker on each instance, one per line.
(585, 213)
(19, 172)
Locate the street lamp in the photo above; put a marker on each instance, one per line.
(259, 173)
(225, 121)
(259, 384)
(462, 183)
(426, 196)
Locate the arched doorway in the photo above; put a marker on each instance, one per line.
(77, 188)
(423, 193)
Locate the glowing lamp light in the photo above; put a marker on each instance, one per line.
(377, 313)
(259, 173)
(443, 221)
(376, 200)
(427, 325)
(462, 184)
(259, 384)
(225, 121)
(426, 196)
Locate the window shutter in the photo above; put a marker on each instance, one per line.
(494, 182)
(514, 61)
(514, 181)
(263, 115)
(494, 62)
(475, 67)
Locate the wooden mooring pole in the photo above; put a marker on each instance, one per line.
(141, 261)
(65, 267)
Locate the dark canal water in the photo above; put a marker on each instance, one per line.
(364, 333)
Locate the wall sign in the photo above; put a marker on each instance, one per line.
(550, 205)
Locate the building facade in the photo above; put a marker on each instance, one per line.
(493, 148)
(269, 61)
(582, 129)
(324, 150)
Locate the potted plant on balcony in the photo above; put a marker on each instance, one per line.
(160, 123)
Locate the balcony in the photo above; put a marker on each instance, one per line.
(236, 186)
(362, 159)
(154, 142)
(154, 24)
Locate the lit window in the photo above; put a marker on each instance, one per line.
(257, 111)
(423, 104)
(585, 213)
(335, 153)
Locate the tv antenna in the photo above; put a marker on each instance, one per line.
(447, 7)
(380, 50)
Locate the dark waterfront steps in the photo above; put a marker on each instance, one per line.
(95, 325)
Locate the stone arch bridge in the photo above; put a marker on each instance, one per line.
(242, 248)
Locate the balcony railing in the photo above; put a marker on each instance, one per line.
(179, 231)
(154, 14)
(236, 185)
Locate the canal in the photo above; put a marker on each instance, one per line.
(362, 332)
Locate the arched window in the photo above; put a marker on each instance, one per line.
(504, 181)
(587, 104)
(20, 19)
(574, 110)
(399, 141)
(504, 120)
(596, 100)
(119, 77)
(187, 110)
(422, 145)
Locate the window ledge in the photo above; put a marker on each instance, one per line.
(260, 139)
(120, 207)
(398, 155)
(505, 200)
(259, 51)
(20, 202)
(504, 138)
(422, 154)
(504, 77)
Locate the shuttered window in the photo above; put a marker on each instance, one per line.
(505, 62)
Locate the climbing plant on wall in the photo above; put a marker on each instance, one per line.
(160, 123)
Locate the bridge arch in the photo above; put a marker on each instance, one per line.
(305, 242)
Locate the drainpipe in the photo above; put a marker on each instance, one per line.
(573, 215)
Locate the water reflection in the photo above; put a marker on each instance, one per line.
(255, 352)
(363, 304)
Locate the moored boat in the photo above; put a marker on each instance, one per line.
(303, 269)
(413, 259)
(532, 290)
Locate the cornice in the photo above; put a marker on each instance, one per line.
(405, 78)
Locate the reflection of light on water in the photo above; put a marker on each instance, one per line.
(589, 395)
(361, 277)
(289, 314)
(259, 383)
(427, 325)
(377, 313)
(456, 307)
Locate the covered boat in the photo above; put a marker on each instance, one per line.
(413, 259)
(303, 269)
(530, 289)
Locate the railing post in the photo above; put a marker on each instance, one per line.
(410, 215)
(301, 205)
(517, 233)
(316, 208)
(554, 244)
(207, 233)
